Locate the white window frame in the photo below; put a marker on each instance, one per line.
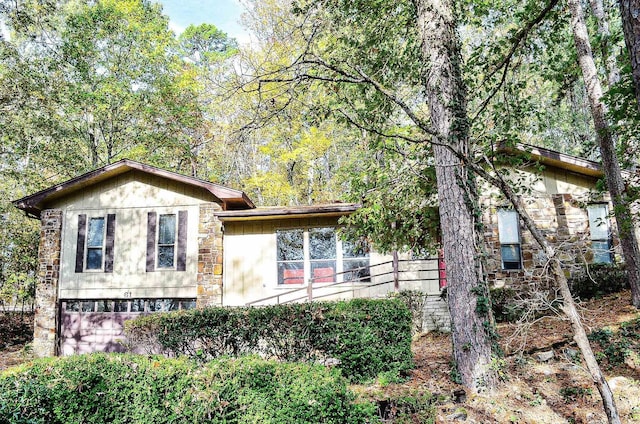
(509, 238)
(102, 247)
(306, 257)
(599, 220)
(174, 244)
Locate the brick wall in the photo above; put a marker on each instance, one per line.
(209, 280)
(46, 301)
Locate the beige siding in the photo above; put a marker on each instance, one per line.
(130, 197)
(250, 264)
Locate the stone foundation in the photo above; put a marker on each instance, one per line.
(46, 301)
(209, 280)
(436, 315)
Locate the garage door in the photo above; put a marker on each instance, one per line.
(98, 325)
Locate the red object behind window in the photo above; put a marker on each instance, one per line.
(293, 276)
(323, 275)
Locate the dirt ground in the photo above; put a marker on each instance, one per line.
(554, 391)
(533, 391)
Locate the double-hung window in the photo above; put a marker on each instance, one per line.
(95, 243)
(509, 233)
(600, 233)
(166, 241)
(318, 255)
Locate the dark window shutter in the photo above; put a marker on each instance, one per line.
(151, 241)
(82, 233)
(109, 243)
(181, 264)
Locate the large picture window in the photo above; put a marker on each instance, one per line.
(600, 233)
(509, 233)
(318, 255)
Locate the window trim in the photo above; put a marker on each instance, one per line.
(108, 243)
(517, 245)
(174, 245)
(306, 260)
(608, 240)
(180, 242)
(101, 248)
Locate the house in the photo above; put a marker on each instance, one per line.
(129, 239)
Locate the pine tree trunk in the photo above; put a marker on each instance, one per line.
(630, 13)
(615, 185)
(467, 289)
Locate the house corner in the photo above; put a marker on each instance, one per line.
(46, 298)
(209, 279)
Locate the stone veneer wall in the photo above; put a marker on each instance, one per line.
(46, 313)
(209, 280)
(563, 219)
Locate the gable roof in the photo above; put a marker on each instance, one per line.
(33, 204)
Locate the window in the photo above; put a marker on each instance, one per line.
(322, 254)
(290, 257)
(167, 241)
(355, 262)
(317, 254)
(600, 233)
(509, 233)
(95, 243)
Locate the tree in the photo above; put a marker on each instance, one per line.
(95, 81)
(630, 13)
(457, 194)
(611, 167)
(375, 89)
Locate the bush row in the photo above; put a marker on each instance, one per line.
(123, 388)
(364, 336)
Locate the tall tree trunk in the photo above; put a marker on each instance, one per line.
(611, 167)
(630, 13)
(467, 290)
(608, 54)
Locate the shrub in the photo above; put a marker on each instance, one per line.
(365, 336)
(598, 280)
(103, 388)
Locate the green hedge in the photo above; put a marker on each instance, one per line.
(366, 336)
(122, 388)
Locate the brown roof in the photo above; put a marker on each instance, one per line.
(327, 210)
(34, 203)
(557, 159)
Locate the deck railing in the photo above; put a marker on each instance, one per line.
(397, 274)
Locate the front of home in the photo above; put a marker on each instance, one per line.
(130, 239)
